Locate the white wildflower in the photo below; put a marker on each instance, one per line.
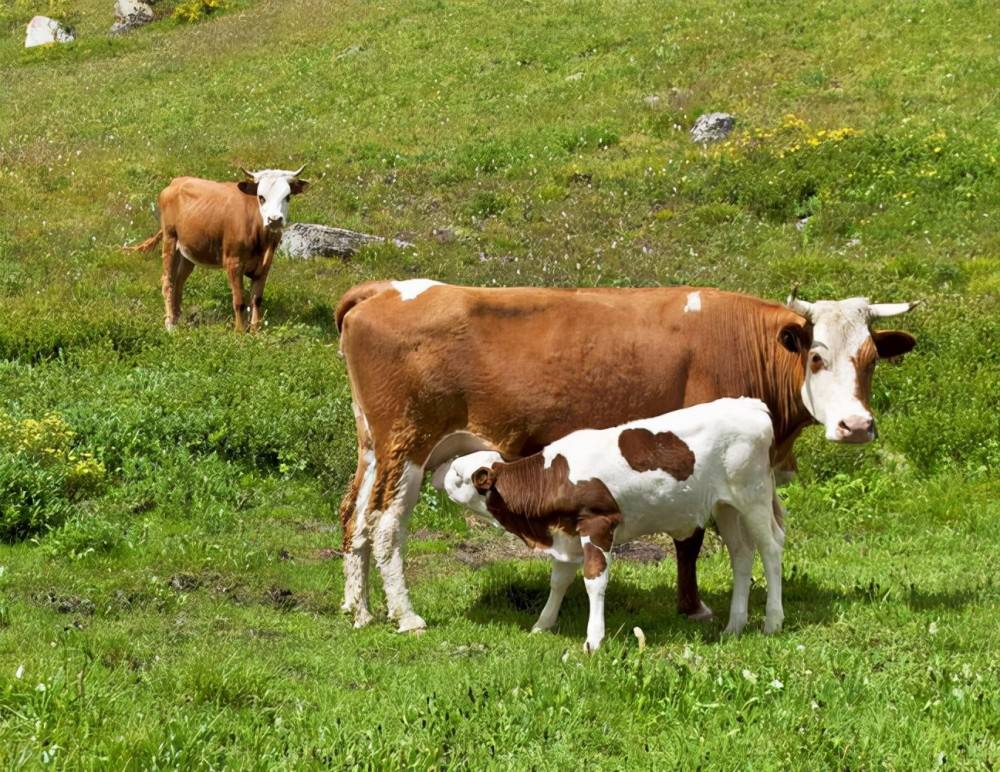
(19, 672)
(776, 684)
(750, 676)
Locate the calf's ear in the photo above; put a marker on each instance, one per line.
(483, 479)
(298, 186)
(892, 343)
(248, 187)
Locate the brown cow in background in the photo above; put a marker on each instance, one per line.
(235, 226)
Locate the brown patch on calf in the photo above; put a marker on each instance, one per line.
(645, 451)
(594, 561)
(529, 500)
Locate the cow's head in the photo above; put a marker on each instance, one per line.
(840, 352)
(470, 478)
(273, 189)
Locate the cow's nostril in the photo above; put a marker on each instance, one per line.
(844, 427)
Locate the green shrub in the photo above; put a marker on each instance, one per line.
(41, 475)
(196, 10)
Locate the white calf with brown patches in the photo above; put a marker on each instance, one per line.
(671, 474)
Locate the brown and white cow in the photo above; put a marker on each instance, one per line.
(438, 371)
(595, 488)
(235, 226)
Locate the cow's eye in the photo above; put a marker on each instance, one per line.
(816, 362)
(261, 199)
(288, 197)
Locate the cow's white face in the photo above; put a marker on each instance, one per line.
(458, 481)
(273, 188)
(841, 359)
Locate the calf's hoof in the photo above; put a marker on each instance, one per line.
(411, 623)
(702, 614)
(772, 626)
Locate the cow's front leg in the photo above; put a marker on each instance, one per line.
(689, 600)
(399, 486)
(566, 557)
(257, 281)
(235, 276)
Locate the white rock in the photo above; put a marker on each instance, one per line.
(42, 30)
(712, 127)
(305, 240)
(130, 14)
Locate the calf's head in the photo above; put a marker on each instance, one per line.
(273, 188)
(840, 351)
(470, 478)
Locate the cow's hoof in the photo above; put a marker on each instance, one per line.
(703, 614)
(362, 618)
(733, 629)
(412, 623)
(589, 647)
(772, 626)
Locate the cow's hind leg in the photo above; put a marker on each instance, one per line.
(354, 514)
(184, 269)
(596, 567)
(396, 490)
(689, 600)
(172, 260)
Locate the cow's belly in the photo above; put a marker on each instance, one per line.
(194, 257)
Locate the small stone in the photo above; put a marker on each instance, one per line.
(712, 127)
(42, 31)
(129, 15)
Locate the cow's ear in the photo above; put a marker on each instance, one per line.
(794, 337)
(298, 186)
(248, 186)
(483, 479)
(893, 343)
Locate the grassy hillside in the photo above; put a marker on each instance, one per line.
(168, 594)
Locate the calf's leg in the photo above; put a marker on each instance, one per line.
(596, 565)
(563, 572)
(769, 539)
(184, 269)
(741, 553)
(354, 511)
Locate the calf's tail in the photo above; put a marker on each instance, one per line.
(148, 244)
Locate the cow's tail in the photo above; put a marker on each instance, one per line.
(148, 244)
(356, 295)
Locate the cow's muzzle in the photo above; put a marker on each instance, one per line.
(856, 429)
(275, 223)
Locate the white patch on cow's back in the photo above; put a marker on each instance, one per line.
(693, 302)
(412, 288)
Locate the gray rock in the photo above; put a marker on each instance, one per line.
(306, 240)
(129, 15)
(712, 127)
(42, 30)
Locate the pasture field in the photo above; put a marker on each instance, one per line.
(169, 586)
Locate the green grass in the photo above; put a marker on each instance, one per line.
(182, 610)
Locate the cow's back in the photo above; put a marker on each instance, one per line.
(522, 367)
(206, 215)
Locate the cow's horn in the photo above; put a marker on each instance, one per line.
(800, 307)
(251, 175)
(298, 171)
(879, 310)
